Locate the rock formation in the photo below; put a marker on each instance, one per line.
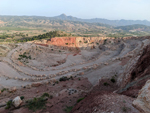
(136, 75)
(142, 103)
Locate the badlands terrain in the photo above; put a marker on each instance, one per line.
(97, 71)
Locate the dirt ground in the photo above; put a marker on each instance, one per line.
(29, 62)
(60, 92)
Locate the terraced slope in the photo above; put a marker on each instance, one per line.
(46, 62)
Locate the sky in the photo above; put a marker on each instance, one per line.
(86, 9)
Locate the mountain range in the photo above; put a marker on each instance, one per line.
(114, 23)
(121, 22)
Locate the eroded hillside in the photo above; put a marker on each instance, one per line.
(68, 68)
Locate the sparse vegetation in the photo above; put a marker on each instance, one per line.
(45, 95)
(113, 80)
(48, 35)
(22, 97)
(9, 104)
(24, 56)
(4, 89)
(37, 103)
(80, 99)
(63, 79)
(105, 41)
(125, 109)
(86, 42)
(68, 109)
(106, 84)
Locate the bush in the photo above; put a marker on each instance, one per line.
(80, 99)
(113, 80)
(45, 95)
(22, 97)
(37, 103)
(63, 79)
(126, 109)
(4, 89)
(9, 104)
(68, 109)
(106, 84)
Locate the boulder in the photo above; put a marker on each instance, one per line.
(82, 73)
(12, 89)
(142, 103)
(36, 84)
(17, 101)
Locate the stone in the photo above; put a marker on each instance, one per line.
(36, 84)
(12, 89)
(142, 103)
(17, 101)
(82, 73)
(37, 91)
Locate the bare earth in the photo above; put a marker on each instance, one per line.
(90, 61)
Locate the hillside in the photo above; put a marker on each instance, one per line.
(104, 21)
(136, 27)
(36, 25)
(74, 73)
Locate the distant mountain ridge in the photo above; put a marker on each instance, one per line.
(121, 22)
(114, 23)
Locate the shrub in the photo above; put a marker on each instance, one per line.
(80, 99)
(106, 84)
(4, 89)
(126, 109)
(63, 79)
(22, 97)
(9, 104)
(68, 109)
(45, 95)
(71, 78)
(113, 80)
(105, 41)
(37, 103)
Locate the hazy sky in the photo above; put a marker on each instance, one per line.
(109, 9)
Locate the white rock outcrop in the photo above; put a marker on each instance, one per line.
(17, 101)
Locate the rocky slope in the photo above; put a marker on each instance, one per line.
(116, 69)
(137, 74)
